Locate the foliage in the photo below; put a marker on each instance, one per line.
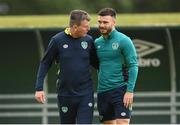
(55, 21)
(36, 7)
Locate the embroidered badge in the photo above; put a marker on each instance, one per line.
(115, 46)
(64, 109)
(65, 46)
(84, 44)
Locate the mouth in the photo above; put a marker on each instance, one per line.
(101, 28)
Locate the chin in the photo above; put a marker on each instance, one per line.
(103, 32)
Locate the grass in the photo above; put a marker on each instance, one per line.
(50, 21)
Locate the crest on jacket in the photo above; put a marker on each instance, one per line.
(84, 44)
(115, 45)
(64, 109)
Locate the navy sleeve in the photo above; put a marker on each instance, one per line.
(93, 57)
(45, 64)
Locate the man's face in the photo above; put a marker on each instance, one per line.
(106, 23)
(83, 28)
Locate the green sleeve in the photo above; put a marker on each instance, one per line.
(129, 52)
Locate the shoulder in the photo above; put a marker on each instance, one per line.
(88, 38)
(98, 40)
(59, 36)
(122, 38)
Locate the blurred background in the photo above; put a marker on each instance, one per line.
(29, 7)
(26, 27)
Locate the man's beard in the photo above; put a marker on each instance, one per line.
(105, 31)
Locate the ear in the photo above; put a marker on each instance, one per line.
(75, 27)
(114, 22)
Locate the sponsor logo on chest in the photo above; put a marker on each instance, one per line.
(65, 46)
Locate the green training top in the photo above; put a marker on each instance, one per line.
(113, 52)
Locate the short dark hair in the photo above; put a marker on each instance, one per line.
(107, 12)
(76, 16)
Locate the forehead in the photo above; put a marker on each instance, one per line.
(84, 22)
(105, 18)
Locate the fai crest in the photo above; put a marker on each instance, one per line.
(115, 46)
(84, 44)
(64, 109)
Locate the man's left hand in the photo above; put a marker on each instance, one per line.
(128, 99)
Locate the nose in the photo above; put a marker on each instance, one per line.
(101, 25)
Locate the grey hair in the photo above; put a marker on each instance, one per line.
(76, 16)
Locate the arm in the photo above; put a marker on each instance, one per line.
(93, 57)
(44, 66)
(130, 57)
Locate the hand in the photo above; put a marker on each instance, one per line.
(128, 99)
(40, 96)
